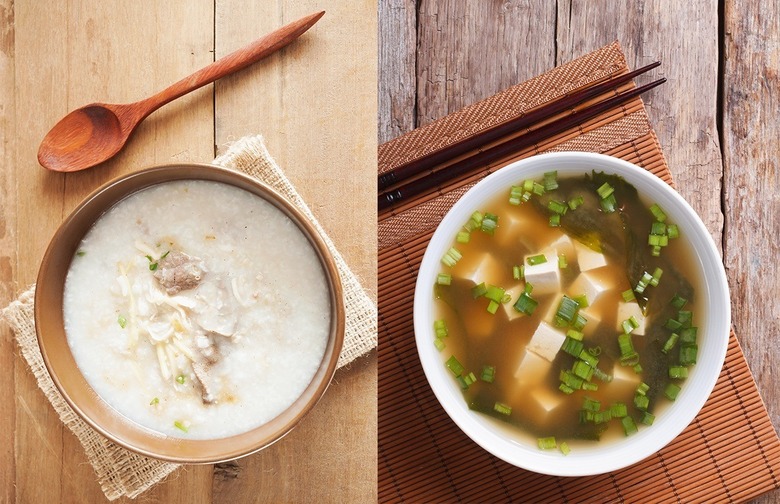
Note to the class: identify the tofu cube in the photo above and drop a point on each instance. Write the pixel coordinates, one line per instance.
(532, 369)
(546, 400)
(624, 380)
(545, 277)
(626, 311)
(546, 341)
(563, 245)
(593, 321)
(588, 259)
(590, 285)
(483, 268)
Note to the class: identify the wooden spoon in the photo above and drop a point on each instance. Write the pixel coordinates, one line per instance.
(96, 132)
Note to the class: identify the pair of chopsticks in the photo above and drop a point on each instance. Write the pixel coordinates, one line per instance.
(389, 196)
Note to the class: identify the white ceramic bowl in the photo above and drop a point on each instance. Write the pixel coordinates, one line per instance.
(712, 341)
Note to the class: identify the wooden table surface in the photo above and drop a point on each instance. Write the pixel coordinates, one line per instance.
(315, 103)
(716, 117)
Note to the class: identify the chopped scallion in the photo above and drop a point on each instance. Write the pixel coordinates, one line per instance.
(494, 293)
(526, 304)
(555, 220)
(562, 264)
(440, 327)
(591, 405)
(439, 344)
(558, 207)
(618, 410)
(670, 342)
(502, 408)
(647, 418)
(489, 223)
(641, 401)
(488, 374)
(463, 237)
(451, 257)
(516, 272)
(575, 203)
(155, 401)
(180, 379)
(444, 279)
(678, 372)
(678, 302)
(478, 290)
(550, 180)
(688, 354)
(629, 426)
(536, 259)
(182, 426)
(454, 366)
(567, 309)
(671, 391)
(658, 213)
(122, 321)
(672, 231)
(492, 307)
(564, 448)
(547, 443)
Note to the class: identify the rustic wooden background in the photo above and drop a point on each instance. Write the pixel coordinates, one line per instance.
(315, 103)
(716, 117)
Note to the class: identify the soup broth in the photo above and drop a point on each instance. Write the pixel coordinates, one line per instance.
(542, 371)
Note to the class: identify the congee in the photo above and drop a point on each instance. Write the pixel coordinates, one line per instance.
(197, 309)
(566, 310)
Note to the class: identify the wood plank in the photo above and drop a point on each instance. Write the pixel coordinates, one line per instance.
(315, 105)
(397, 63)
(468, 51)
(82, 60)
(751, 77)
(683, 111)
(8, 259)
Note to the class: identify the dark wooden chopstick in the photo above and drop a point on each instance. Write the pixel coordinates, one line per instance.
(484, 158)
(431, 160)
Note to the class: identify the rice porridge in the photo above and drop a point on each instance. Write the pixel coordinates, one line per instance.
(197, 309)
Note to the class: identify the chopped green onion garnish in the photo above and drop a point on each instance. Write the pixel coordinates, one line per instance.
(641, 401)
(537, 259)
(638, 368)
(516, 272)
(572, 347)
(81, 253)
(492, 307)
(507, 298)
(565, 389)
(155, 401)
(643, 388)
(582, 300)
(688, 335)
(441, 328)
(462, 382)
(601, 375)
(489, 223)
(671, 391)
(478, 290)
(574, 334)
(529, 288)
(678, 302)
(670, 342)
(516, 195)
(685, 318)
(439, 344)
(583, 370)
(547, 443)
(590, 386)
(659, 214)
(618, 410)
(181, 426)
(672, 325)
(629, 426)
(595, 351)
(574, 203)
(647, 418)
(538, 189)
(678, 372)
(122, 321)
(558, 207)
(567, 309)
(562, 264)
(488, 374)
(672, 231)
(588, 358)
(688, 354)
(608, 204)
(444, 279)
(605, 190)
(658, 228)
(526, 304)
(494, 293)
(550, 180)
(580, 322)
(454, 366)
(656, 277)
(502, 408)
(463, 237)
(564, 448)
(628, 328)
(555, 220)
(571, 380)
(180, 379)
(591, 405)
(469, 378)
(451, 257)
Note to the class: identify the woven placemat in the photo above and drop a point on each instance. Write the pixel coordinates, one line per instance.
(123, 473)
(730, 452)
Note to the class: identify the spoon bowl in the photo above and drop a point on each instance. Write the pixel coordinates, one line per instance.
(95, 133)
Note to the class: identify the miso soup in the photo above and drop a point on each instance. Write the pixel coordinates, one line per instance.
(566, 309)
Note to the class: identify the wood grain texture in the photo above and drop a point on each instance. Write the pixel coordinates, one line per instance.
(751, 186)
(467, 52)
(121, 52)
(397, 60)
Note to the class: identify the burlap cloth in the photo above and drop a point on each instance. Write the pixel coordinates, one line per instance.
(121, 472)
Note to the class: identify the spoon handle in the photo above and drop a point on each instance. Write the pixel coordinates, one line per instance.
(233, 62)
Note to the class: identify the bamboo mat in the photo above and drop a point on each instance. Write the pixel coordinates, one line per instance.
(730, 452)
